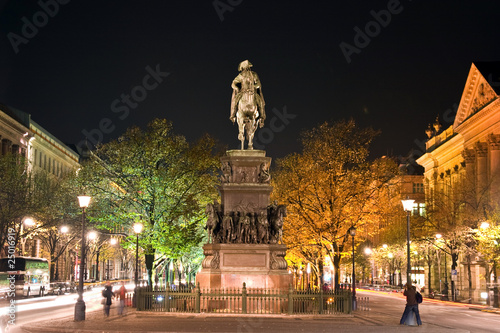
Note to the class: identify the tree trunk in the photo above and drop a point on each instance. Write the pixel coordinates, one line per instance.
(149, 259)
(336, 269)
(495, 287)
(454, 263)
(469, 273)
(96, 277)
(429, 265)
(320, 270)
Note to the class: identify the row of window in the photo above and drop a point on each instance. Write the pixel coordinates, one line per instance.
(51, 165)
(418, 188)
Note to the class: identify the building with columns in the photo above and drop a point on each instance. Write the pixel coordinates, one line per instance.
(462, 166)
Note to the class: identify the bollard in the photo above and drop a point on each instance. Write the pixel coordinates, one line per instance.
(244, 298)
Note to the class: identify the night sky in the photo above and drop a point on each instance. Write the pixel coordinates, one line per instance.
(392, 65)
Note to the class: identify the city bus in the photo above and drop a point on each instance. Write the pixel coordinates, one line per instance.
(32, 276)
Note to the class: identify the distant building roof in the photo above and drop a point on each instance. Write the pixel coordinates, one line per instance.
(25, 119)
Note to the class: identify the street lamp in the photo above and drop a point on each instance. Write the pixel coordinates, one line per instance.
(84, 201)
(137, 230)
(352, 232)
(408, 206)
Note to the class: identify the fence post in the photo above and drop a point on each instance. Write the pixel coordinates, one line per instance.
(244, 298)
(321, 301)
(138, 299)
(348, 297)
(167, 299)
(197, 298)
(290, 299)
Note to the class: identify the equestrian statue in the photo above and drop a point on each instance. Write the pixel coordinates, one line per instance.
(247, 103)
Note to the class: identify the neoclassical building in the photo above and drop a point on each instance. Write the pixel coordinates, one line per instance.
(19, 134)
(464, 159)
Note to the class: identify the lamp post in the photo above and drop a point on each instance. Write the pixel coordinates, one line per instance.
(80, 304)
(352, 232)
(408, 206)
(137, 230)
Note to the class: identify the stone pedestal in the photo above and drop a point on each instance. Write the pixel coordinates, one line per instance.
(258, 265)
(245, 181)
(245, 230)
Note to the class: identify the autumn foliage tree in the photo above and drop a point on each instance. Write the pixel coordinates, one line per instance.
(329, 187)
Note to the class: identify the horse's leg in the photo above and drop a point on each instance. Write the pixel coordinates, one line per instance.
(241, 128)
(250, 140)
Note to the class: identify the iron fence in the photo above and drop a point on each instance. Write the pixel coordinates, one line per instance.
(247, 301)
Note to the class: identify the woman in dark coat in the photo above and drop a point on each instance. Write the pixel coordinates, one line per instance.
(108, 294)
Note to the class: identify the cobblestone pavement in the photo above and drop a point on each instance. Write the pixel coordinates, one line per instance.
(165, 322)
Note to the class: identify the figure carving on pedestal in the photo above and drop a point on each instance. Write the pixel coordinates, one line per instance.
(227, 229)
(247, 103)
(253, 229)
(213, 221)
(263, 228)
(276, 214)
(244, 228)
(264, 176)
(226, 172)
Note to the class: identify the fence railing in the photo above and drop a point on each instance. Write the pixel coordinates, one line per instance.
(247, 301)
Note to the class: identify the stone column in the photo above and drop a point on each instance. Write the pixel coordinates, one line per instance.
(482, 168)
(494, 142)
(469, 182)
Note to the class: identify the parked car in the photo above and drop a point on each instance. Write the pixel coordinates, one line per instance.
(56, 288)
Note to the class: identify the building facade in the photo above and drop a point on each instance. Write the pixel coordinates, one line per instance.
(462, 169)
(15, 136)
(21, 135)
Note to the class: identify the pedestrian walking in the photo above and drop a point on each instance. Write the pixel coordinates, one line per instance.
(411, 305)
(107, 294)
(122, 292)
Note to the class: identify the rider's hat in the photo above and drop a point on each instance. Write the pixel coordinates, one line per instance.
(244, 65)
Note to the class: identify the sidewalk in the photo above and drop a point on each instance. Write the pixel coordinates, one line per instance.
(153, 322)
(141, 322)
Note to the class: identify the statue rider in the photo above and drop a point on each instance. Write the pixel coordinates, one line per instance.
(247, 96)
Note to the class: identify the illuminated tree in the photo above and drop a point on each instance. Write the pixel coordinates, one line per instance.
(329, 187)
(156, 178)
(57, 207)
(488, 243)
(36, 195)
(16, 196)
